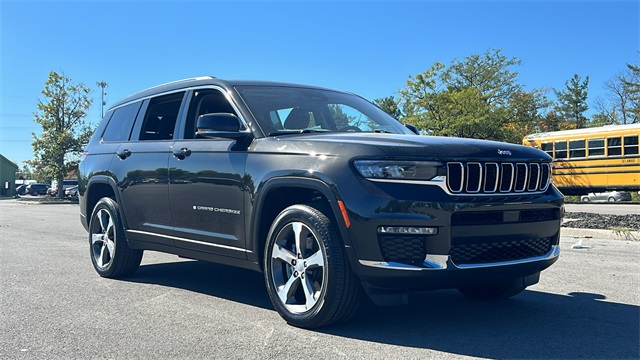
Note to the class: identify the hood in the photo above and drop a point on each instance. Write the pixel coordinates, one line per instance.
(416, 147)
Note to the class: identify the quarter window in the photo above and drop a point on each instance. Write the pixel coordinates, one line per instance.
(561, 149)
(614, 146)
(119, 127)
(631, 145)
(576, 148)
(596, 147)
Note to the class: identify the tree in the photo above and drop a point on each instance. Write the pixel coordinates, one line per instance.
(632, 87)
(572, 101)
(64, 131)
(478, 97)
(390, 105)
(621, 103)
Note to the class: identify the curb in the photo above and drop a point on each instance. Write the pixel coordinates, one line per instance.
(600, 234)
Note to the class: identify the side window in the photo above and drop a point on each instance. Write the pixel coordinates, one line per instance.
(576, 149)
(561, 149)
(631, 145)
(207, 101)
(614, 146)
(160, 119)
(119, 127)
(547, 147)
(596, 147)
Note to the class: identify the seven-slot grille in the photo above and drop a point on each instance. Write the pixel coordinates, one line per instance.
(497, 178)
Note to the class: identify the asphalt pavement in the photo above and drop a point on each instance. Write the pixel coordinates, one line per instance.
(54, 306)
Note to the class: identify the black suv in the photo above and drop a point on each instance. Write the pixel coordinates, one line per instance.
(320, 190)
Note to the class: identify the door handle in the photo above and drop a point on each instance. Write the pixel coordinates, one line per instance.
(123, 154)
(181, 153)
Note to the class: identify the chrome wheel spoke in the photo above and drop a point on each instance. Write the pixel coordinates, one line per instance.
(309, 293)
(297, 230)
(314, 261)
(282, 254)
(288, 289)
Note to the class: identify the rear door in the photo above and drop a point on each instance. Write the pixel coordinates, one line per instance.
(141, 167)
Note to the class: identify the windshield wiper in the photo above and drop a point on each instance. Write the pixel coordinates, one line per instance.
(293, 132)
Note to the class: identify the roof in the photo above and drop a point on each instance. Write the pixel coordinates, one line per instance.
(202, 81)
(585, 131)
(6, 160)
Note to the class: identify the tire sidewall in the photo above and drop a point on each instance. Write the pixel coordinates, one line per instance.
(112, 207)
(303, 214)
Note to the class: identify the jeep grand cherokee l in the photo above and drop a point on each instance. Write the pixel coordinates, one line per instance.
(323, 192)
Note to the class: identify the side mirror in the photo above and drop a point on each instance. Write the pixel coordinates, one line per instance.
(224, 125)
(413, 128)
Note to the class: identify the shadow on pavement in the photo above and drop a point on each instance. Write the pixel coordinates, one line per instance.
(531, 325)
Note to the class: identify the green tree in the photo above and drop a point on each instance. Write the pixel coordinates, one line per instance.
(478, 97)
(572, 101)
(64, 131)
(390, 105)
(632, 87)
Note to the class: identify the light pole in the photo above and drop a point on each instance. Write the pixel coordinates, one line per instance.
(102, 85)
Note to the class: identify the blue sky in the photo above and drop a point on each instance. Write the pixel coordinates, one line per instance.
(366, 47)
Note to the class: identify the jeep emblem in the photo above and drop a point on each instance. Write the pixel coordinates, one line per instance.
(504, 152)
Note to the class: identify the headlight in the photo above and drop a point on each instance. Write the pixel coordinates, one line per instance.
(407, 170)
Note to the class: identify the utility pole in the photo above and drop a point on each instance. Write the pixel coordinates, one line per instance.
(103, 85)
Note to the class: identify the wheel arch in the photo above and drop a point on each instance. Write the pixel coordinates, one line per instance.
(100, 186)
(278, 194)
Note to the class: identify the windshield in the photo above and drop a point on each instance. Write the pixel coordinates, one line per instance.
(294, 110)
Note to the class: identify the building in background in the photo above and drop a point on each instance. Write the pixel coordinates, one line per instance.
(7, 176)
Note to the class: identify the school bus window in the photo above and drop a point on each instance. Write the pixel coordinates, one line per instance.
(561, 150)
(614, 146)
(631, 145)
(596, 147)
(547, 147)
(576, 148)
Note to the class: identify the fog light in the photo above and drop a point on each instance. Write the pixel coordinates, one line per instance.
(407, 230)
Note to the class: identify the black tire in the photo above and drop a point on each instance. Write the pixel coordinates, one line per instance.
(584, 199)
(108, 248)
(313, 286)
(611, 199)
(491, 292)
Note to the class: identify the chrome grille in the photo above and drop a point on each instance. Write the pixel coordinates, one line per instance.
(504, 178)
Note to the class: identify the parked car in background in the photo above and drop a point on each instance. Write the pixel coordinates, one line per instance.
(21, 190)
(71, 192)
(609, 196)
(67, 183)
(37, 189)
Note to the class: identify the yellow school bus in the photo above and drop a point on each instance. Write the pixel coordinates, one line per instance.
(592, 159)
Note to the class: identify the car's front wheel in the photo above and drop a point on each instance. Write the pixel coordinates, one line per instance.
(110, 253)
(307, 274)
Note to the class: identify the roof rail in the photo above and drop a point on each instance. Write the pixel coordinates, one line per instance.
(180, 81)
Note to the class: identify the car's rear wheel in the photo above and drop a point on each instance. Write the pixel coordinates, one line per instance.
(307, 274)
(584, 199)
(611, 199)
(110, 253)
(491, 292)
